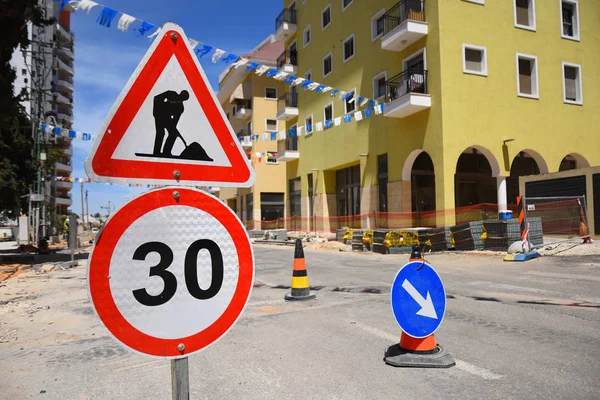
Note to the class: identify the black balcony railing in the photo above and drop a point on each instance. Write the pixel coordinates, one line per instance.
(287, 15)
(413, 80)
(289, 57)
(287, 100)
(405, 10)
(288, 144)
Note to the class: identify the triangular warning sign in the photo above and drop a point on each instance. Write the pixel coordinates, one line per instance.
(167, 126)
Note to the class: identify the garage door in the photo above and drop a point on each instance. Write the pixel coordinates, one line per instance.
(574, 186)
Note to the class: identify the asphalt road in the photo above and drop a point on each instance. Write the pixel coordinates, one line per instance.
(516, 330)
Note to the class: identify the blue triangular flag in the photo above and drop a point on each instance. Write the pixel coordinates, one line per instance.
(328, 124)
(271, 72)
(291, 132)
(336, 91)
(308, 127)
(106, 17)
(252, 66)
(359, 100)
(72, 134)
(202, 51)
(230, 57)
(348, 96)
(44, 127)
(290, 79)
(371, 104)
(86, 136)
(306, 83)
(347, 118)
(56, 131)
(273, 135)
(320, 88)
(146, 26)
(368, 113)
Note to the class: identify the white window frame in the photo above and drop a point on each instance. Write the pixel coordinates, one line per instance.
(345, 103)
(330, 17)
(481, 2)
(267, 125)
(578, 21)
(374, 18)
(304, 42)
(537, 76)
(382, 74)
(332, 112)
(483, 49)
(349, 4)
(276, 93)
(312, 123)
(308, 71)
(526, 27)
(413, 55)
(578, 102)
(344, 49)
(330, 54)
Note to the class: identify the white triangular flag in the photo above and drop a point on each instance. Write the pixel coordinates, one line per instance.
(281, 135)
(217, 55)
(313, 86)
(240, 63)
(156, 32)
(341, 95)
(262, 69)
(84, 5)
(280, 75)
(265, 137)
(337, 121)
(300, 129)
(297, 81)
(124, 22)
(364, 102)
(319, 126)
(358, 115)
(193, 43)
(326, 89)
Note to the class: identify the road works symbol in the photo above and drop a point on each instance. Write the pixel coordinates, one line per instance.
(418, 299)
(171, 272)
(168, 126)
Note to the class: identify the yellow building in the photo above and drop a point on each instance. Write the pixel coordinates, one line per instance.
(476, 92)
(250, 103)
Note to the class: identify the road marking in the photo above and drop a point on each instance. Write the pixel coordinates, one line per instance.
(564, 276)
(513, 287)
(462, 365)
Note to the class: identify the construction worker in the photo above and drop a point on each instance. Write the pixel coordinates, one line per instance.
(66, 225)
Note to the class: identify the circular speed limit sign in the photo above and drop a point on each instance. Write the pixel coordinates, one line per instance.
(171, 272)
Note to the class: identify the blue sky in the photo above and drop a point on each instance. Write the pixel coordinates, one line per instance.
(106, 57)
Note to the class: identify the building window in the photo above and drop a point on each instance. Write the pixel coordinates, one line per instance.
(346, 3)
(327, 65)
(379, 85)
(326, 16)
(349, 48)
(308, 121)
(382, 177)
(249, 206)
(271, 93)
(306, 36)
(569, 15)
(295, 197)
(23, 71)
(272, 157)
(525, 14)
(350, 104)
(474, 60)
(572, 90)
(233, 110)
(249, 127)
(311, 199)
(527, 82)
(308, 75)
(271, 125)
(347, 187)
(328, 112)
(377, 24)
(271, 206)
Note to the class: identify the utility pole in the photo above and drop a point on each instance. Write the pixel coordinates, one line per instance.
(108, 209)
(82, 210)
(87, 209)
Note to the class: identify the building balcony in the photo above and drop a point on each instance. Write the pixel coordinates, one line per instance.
(287, 149)
(62, 118)
(285, 24)
(68, 152)
(64, 85)
(242, 108)
(62, 66)
(63, 185)
(66, 52)
(404, 24)
(406, 93)
(288, 61)
(245, 141)
(63, 167)
(287, 107)
(63, 33)
(61, 98)
(63, 201)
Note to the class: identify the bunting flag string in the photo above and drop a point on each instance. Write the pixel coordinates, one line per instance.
(88, 180)
(107, 15)
(55, 131)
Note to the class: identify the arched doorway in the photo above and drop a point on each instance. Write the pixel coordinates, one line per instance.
(475, 178)
(527, 162)
(573, 161)
(422, 183)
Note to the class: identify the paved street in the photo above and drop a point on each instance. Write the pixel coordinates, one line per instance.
(517, 331)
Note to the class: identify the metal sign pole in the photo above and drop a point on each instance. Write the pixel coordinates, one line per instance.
(180, 379)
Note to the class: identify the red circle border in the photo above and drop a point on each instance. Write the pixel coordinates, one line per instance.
(99, 271)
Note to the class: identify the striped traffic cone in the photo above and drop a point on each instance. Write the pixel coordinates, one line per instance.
(300, 288)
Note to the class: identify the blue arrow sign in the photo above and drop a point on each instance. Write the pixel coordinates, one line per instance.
(418, 299)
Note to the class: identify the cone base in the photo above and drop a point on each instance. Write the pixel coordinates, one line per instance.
(289, 297)
(399, 357)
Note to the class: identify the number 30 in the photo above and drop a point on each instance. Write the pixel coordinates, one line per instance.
(190, 269)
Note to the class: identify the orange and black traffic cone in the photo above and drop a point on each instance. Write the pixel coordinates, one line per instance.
(300, 288)
(414, 352)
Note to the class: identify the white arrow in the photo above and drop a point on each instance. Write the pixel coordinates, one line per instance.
(427, 309)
